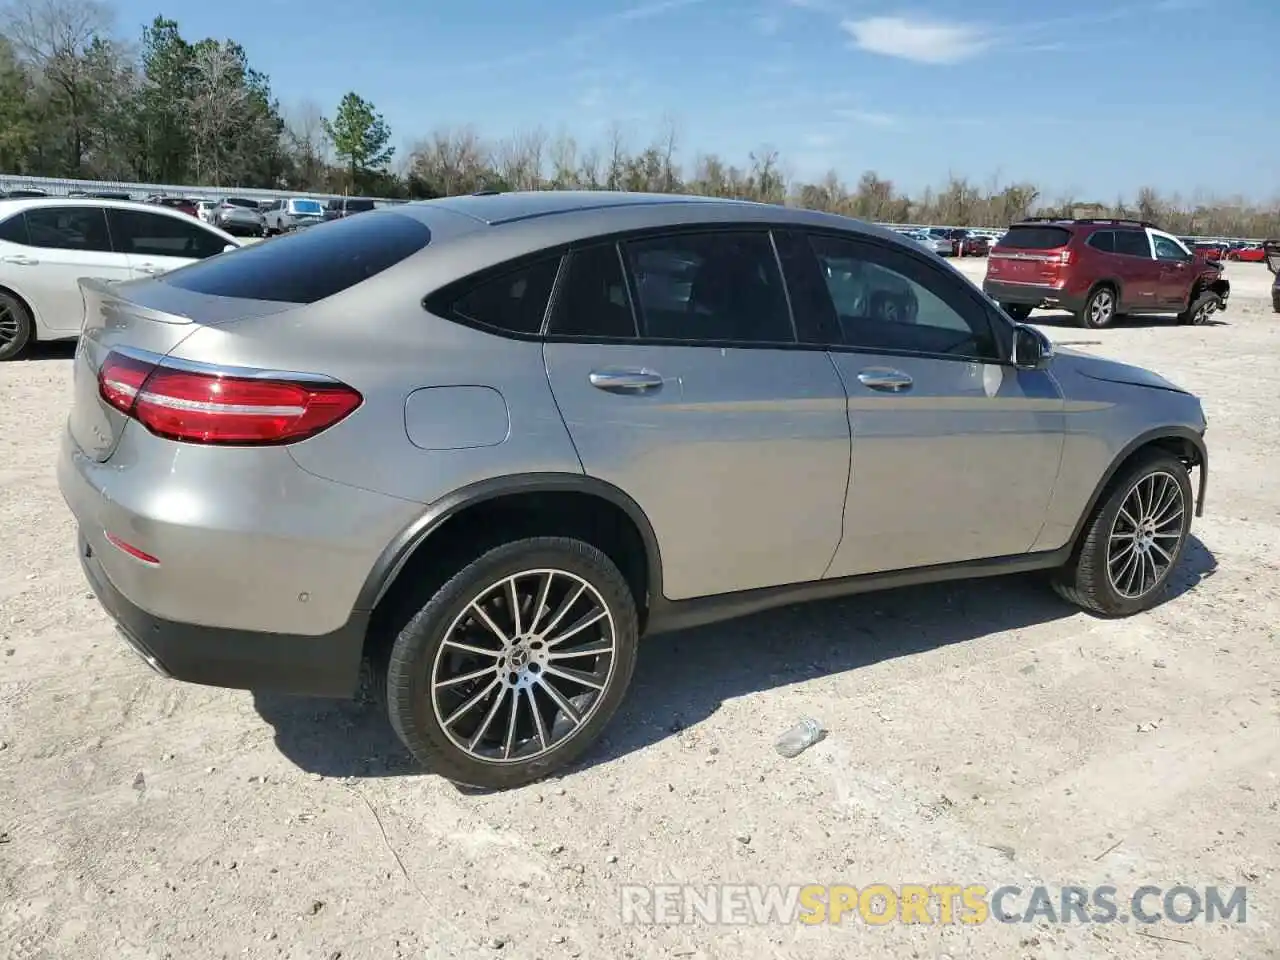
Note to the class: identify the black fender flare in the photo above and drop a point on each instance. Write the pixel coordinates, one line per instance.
(397, 553)
(1144, 439)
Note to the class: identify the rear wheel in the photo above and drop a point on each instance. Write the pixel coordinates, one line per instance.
(1201, 309)
(515, 666)
(1019, 312)
(1133, 541)
(16, 326)
(1099, 310)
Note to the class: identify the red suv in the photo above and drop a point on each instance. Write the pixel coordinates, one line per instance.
(1102, 269)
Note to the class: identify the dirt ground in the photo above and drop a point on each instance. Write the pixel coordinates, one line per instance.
(980, 732)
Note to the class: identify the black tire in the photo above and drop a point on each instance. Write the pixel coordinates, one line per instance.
(1099, 310)
(1018, 312)
(1085, 580)
(1275, 304)
(17, 329)
(1201, 310)
(417, 653)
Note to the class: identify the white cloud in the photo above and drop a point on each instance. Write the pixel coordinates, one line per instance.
(869, 117)
(922, 41)
(646, 11)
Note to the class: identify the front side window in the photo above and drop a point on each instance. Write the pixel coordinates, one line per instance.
(592, 299)
(709, 287)
(1167, 249)
(514, 301)
(69, 228)
(888, 301)
(155, 235)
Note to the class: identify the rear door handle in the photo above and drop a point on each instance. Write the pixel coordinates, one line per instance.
(625, 381)
(21, 261)
(888, 381)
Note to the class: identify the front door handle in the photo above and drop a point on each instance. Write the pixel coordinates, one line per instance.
(625, 381)
(149, 268)
(889, 381)
(21, 261)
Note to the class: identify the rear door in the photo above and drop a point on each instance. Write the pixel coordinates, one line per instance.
(64, 244)
(1137, 270)
(701, 407)
(955, 451)
(155, 243)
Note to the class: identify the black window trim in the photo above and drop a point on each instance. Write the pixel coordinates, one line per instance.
(1000, 328)
(439, 300)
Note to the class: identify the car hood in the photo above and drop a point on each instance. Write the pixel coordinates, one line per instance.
(1113, 371)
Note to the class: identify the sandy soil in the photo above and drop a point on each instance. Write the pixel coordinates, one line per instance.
(980, 733)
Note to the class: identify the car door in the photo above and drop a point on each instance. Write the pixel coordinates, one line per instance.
(955, 452)
(1137, 270)
(1176, 271)
(155, 243)
(701, 407)
(63, 245)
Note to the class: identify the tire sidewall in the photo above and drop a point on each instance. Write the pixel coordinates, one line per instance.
(26, 329)
(1086, 315)
(1105, 521)
(408, 690)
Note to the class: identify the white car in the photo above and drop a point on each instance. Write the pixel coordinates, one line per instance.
(205, 208)
(47, 245)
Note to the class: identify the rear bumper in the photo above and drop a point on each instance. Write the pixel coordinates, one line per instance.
(325, 666)
(1032, 295)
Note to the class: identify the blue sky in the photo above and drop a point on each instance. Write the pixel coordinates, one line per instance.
(1089, 98)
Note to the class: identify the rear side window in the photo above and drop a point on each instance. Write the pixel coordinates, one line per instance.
(1104, 240)
(309, 265)
(14, 230)
(1036, 238)
(710, 287)
(69, 228)
(592, 300)
(1133, 243)
(512, 302)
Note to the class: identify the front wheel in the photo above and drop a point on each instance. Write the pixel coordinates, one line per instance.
(1201, 310)
(1133, 541)
(512, 670)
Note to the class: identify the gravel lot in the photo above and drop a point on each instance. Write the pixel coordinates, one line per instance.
(981, 732)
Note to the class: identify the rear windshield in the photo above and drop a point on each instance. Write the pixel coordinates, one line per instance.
(309, 265)
(307, 206)
(359, 206)
(1036, 238)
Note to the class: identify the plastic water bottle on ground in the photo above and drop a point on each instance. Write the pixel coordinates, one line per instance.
(800, 738)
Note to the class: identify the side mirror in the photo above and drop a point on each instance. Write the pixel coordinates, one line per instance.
(1032, 350)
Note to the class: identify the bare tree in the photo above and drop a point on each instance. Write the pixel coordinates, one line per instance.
(306, 137)
(217, 107)
(451, 161)
(62, 39)
(519, 159)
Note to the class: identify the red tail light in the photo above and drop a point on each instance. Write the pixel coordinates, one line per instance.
(1065, 257)
(198, 406)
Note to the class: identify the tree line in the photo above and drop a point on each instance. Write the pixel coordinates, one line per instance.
(79, 101)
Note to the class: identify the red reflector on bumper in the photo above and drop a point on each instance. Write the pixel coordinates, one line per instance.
(131, 550)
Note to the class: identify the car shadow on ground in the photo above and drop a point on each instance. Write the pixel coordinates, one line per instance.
(683, 678)
(1064, 319)
(48, 350)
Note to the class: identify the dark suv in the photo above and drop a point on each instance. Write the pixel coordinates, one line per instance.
(1102, 269)
(340, 207)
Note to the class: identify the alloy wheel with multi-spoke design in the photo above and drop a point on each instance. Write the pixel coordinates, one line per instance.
(1146, 535)
(524, 666)
(1102, 307)
(10, 325)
